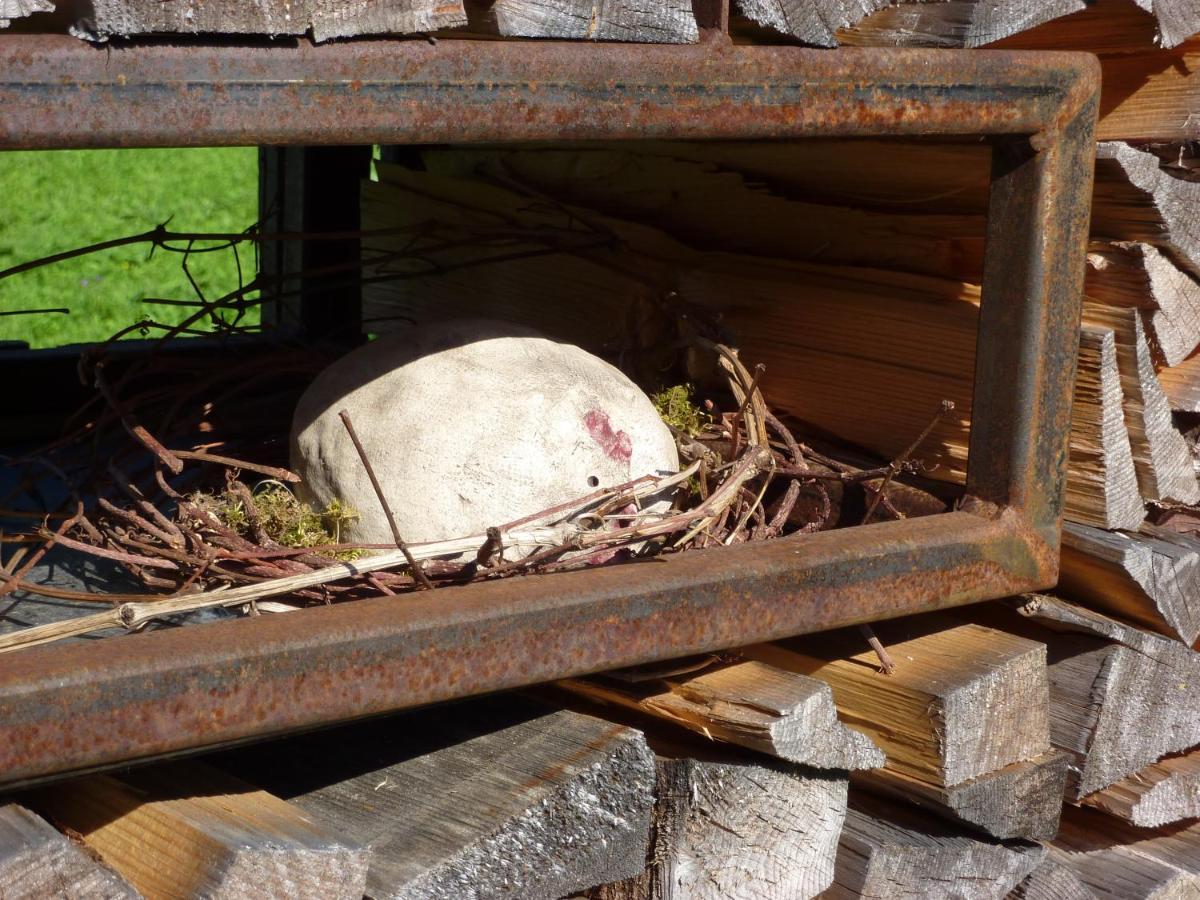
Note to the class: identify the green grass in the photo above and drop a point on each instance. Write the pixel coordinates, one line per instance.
(57, 200)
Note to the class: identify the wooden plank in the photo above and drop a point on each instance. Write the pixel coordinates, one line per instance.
(326, 18)
(1164, 792)
(888, 850)
(731, 825)
(1022, 800)
(1161, 456)
(964, 700)
(1151, 577)
(963, 24)
(749, 704)
(708, 208)
(17, 9)
(37, 862)
(1051, 880)
(184, 830)
(1117, 860)
(1140, 276)
(494, 797)
(1120, 698)
(665, 21)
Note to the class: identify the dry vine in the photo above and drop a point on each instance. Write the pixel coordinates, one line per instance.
(165, 432)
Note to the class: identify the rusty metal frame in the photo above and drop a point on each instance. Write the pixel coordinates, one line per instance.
(73, 708)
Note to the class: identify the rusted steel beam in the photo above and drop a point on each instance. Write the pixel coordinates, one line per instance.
(83, 706)
(56, 91)
(73, 708)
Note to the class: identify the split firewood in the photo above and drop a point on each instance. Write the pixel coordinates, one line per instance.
(1138, 198)
(1120, 698)
(1160, 454)
(1151, 576)
(780, 713)
(1119, 861)
(187, 830)
(890, 850)
(37, 862)
(1164, 792)
(479, 799)
(668, 22)
(1051, 880)
(1138, 275)
(1021, 800)
(731, 825)
(970, 24)
(326, 18)
(1181, 384)
(16, 9)
(963, 701)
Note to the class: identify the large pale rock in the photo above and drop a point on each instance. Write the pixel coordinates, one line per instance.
(471, 424)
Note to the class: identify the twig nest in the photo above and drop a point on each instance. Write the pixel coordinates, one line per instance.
(471, 424)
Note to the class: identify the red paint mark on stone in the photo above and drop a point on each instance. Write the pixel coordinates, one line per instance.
(615, 444)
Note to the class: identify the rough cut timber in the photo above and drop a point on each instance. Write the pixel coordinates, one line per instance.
(661, 21)
(964, 700)
(890, 851)
(780, 713)
(1164, 792)
(37, 862)
(186, 830)
(1051, 880)
(1138, 275)
(1137, 197)
(737, 826)
(1086, 833)
(17, 9)
(326, 18)
(495, 797)
(1022, 800)
(967, 23)
(1151, 577)
(1161, 456)
(1120, 698)
(708, 208)
(1116, 873)
(1181, 384)
(1102, 486)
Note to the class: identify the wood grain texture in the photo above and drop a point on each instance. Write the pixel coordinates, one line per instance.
(1181, 384)
(954, 24)
(1120, 697)
(1164, 792)
(645, 21)
(1139, 275)
(888, 851)
(1161, 456)
(497, 797)
(1116, 860)
(1052, 880)
(325, 18)
(18, 9)
(37, 862)
(1151, 577)
(750, 704)
(1146, 200)
(737, 826)
(1022, 800)
(181, 830)
(964, 700)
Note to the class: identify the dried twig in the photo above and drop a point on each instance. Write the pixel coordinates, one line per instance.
(417, 571)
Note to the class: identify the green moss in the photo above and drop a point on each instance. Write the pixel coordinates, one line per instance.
(676, 407)
(284, 518)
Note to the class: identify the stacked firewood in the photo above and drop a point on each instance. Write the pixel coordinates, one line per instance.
(1044, 746)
